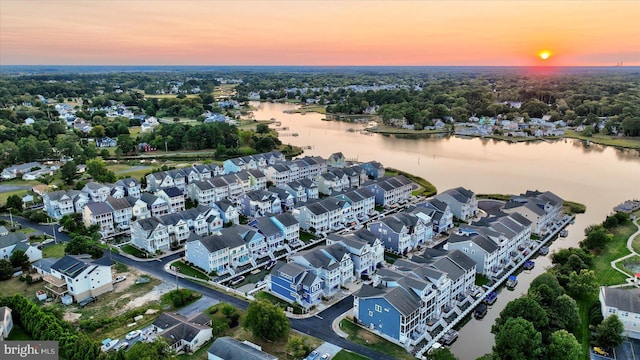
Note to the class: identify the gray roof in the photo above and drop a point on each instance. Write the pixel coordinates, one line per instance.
(128, 182)
(45, 264)
(446, 265)
(11, 239)
(118, 204)
(265, 226)
(93, 185)
(99, 208)
(173, 192)
(224, 204)
(228, 348)
(56, 195)
(203, 185)
(291, 269)
(167, 320)
(484, 243)
(622, 299)
(365, 235)
(286, 219)
(149, 224)
(148, 198)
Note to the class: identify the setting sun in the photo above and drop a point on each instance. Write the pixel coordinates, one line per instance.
(545, 55)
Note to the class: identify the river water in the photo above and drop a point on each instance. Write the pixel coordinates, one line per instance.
(599, 177)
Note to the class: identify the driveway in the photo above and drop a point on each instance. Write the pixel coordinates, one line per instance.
(199, 306)
(629, 350)
(328, 348)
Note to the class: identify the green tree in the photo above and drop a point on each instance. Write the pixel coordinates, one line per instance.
(127, 144)
(266, 320)
(517, 339)
(297, 347)
(14, 202)
(19, 259)
(524, 307)
(69, 172)
(6, 270)
(98, 170)
(262, 128)
(564, 346)
(156, 350)
(582, 285)
(97, 131)
(563, 314)
(609, 332)
(441, 354)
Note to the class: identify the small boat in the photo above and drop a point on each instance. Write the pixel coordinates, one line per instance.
(449, 337)
(512, 281)
(543, 250)
(491, 298)
(528, 265)
(564, 233)
(480, 311)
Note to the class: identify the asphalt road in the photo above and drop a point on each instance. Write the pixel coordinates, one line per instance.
(318, 326)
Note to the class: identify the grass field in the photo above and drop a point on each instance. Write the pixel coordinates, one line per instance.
(55, 250)
(189, 271)
(131, 250)
(617, 248)
(626, 142)
(5, 195)
(425, 189)
(18, 333)
(348, 355)
(366, 338)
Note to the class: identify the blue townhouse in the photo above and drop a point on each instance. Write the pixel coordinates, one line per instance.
(296, 284)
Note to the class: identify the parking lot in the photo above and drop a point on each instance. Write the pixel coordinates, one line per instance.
(629, 350)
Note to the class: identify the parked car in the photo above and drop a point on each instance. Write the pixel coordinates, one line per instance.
(261, 283)
(120, 278)
(133, 334)
(326, 356)
(121, 346)
(87, 301)
(270, 265)
(313, 356)
(236, 280)
(109, 344)
(600, 351)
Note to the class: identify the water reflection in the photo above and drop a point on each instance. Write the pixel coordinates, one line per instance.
(598, 176)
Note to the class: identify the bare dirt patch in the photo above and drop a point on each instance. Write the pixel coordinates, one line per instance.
(71, 316)
(154, 295)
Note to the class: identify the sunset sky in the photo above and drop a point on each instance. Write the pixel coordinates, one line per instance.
(265, 32)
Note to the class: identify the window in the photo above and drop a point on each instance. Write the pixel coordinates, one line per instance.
(370, 313)
(378, 308)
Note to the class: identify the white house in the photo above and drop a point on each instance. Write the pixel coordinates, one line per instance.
(79, 277)
(6, 322)
(625, 303)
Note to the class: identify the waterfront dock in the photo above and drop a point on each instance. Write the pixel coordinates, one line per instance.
(496, 284)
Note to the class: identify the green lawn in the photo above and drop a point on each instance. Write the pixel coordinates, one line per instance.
(55, 250)
(305, 236)
(617, 248)
(189, 271)
(131, 250)
(297, 309)
(366, 338)
(5, 195)
(627, 142)
(348, 355)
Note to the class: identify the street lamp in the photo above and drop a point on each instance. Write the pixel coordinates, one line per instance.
(10, 218)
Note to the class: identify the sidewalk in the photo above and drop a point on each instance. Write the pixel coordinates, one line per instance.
(352, 288)
(335, 325)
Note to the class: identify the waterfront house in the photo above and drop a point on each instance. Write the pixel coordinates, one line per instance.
(463, 202)
(362, 202)
(357, 176)
(543, 209)
(332, 263)
(481, 250)
(296, 284)
(201, 192)
(396, 306)
(330, 182)
(97, 192)
(318, 216)
(101, 214)
(440, 213)
(259, 202)
(297, 190)
(223, 253)
(139, 208)
(177, 228)
(130, 186)
(273, 236)
(337, 160)
(122, 213)
(174, 198)
(363, 255)
(183, 334)
(59, 203)
(156, 205)
(401, 232)
(313, 166)
(79, 277)
(625, 303)
(390, 190)
(227, 210)
(228, 348)
(288, 227)
(459, 267)
(287, 201)
(373, 169)
(150, 234)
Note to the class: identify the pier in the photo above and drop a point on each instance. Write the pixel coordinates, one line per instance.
(496, 284)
